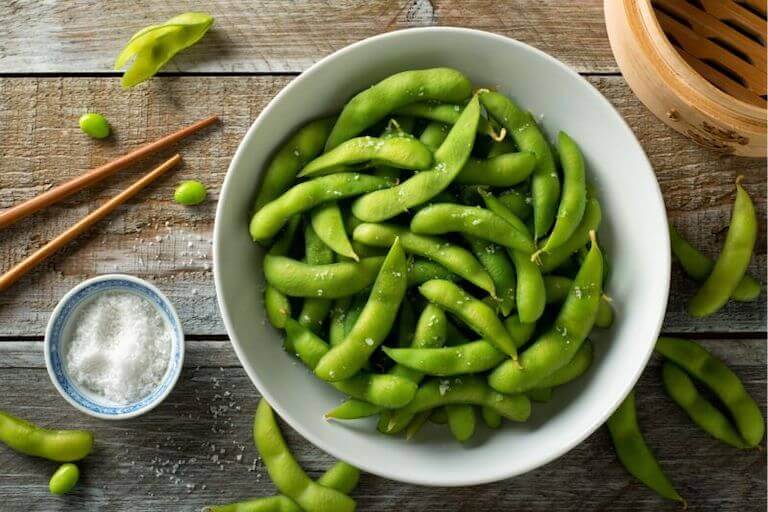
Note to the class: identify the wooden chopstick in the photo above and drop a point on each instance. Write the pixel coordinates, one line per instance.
(19, 211)
(31, 261)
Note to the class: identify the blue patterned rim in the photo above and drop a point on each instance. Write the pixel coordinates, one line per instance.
(56, 335)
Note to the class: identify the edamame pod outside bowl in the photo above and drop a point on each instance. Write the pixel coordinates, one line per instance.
(633, 233)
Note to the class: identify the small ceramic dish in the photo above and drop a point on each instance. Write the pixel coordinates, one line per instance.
(60, 329)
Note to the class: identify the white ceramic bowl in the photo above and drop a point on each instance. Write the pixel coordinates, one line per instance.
(60, 329)
(634, 233)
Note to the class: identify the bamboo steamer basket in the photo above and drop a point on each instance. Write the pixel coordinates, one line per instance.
(698, 65)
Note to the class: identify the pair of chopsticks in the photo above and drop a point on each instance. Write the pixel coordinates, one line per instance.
(59, 192)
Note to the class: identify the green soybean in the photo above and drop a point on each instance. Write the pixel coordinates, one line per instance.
(461, 421)
(64, 479)
(714, 374)
(374, 323)
(575, 368)
(698, 266)
(277, 306)
(453, 257)
(530, 294)
(443, 113)
(314, 310)
(56, 445)
(434, 135)
(267, 221)
(353, 409)
(277, 503)
(300, 148)
(517, 203)
(733, 261)
(499, 267)
(420, 271)
(500, 171)
(474, 357)
(375, 103)
(94, 125)
(399, 152)
(634, 454)
(297, 279)
(190, 193)
(549, 261)
(683, 391)
(490, 417)
(557, 288)
(328, 223)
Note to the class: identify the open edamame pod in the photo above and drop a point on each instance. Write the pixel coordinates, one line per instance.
(57, 445)
(634, 454)
(683, 392)
(300, 198)
(698, 266)
(558, 345)
(400, 152)
(375, 103)
(297, 279)
(375, 321)
(286, 473)
(453, 257)
(545, 184)
(733, 261)
(440, 218)
(450, 158)
(713, 373)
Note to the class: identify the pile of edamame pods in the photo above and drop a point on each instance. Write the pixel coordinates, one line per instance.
(449, 264)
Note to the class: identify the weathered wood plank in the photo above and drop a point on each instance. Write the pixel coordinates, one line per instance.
(279, 36)
(196, 449)
(155, 238)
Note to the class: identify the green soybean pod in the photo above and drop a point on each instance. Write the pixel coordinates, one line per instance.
(434, 135)
(286, 473)
(353, 409)
(277, 306)
(545, 184)
(57, 445)
(329, 225)
(713, 373)
(517, 203)
(336, 331)
(268, 220)
(530, 294)
(444, 113)
(474, 357)
(500, 171)
(502, 211)
(577, 366)
(341, 476)
(733, 261)
(315, 310)
(540, 395)
(634, 454)
(557, 288)
(683, 392)
(300, 148)
(374, 323)
(416, 423)
(480, 317)
(557, 346)
(499, 267)
(399, 152)
(461, 421)
(450, 158)
(64, 479)
(297, 279)
(453, 257)
(520, 332)
(501, 147)
(441, 218)
(277, 503)
(420, 271)
(573, 199)
(549, 261)
(375, 103)
(698, 266)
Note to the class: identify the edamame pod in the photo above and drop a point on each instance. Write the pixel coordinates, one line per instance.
(303, 146)
(267, 221)
(56, 445)
(501, 147)
(420, 271)
(634, 454)
(353, 409)
(375, 103)
(467, 389)
(733, 261)
(399, 152)
(453, 257)
(450, 158)
(698, 266)
(474, 357)
(557, 288)
(286, 473)
(341, 476)
(461, 421)
(443, 113)
(517, 203)
(558, 345)
(476, 314)
(530, 294)
(500, 171)
(573, 200)
(551, 260)
(277, 306)
(683, 392)
(441, 218)
(329, 225)
(491, 418)
(277, 503)
(416, 423)
(434, 135)
(348, 357)
(545, 184)
(714, 374)
(297, 279)
(580, 363)
(316, 252)
(388, 391)
(502, 211)
(499, 267)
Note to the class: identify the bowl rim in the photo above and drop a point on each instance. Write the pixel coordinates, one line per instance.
(308, 434)
(169, 379)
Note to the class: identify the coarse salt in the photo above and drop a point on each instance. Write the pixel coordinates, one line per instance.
(120, 347)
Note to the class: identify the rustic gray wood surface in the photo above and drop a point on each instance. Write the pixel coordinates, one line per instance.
(55, 62)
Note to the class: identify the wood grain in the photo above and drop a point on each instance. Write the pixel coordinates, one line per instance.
(196, 449)
(268, 36)
(170, 244)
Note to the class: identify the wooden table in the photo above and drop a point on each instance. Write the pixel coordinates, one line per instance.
(196, 449)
